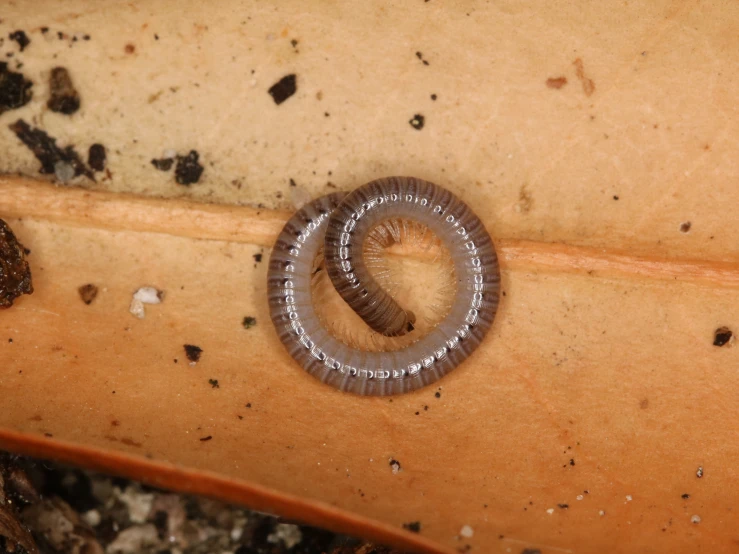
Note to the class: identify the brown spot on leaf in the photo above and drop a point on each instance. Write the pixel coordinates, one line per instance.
(556, 82)
(88, 293)
(588, 85)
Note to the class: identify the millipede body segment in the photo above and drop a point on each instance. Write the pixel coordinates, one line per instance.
(340, 223)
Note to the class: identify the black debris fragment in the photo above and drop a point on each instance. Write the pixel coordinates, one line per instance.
(417, 121)
(64, 98)
(188, 170)
(413, 526)
(21, 38)
(249, 322)
(722, 336)
(163, 164)
(193, 352)
(283, 89)
(15, 273)
(64, 163)
(96, 157)
(15, 89)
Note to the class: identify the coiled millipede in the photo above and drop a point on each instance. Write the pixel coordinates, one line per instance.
(340, 223)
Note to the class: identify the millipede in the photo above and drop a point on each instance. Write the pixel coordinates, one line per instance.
(339, 224)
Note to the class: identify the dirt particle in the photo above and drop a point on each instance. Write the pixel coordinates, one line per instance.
(685, 496)
(64, 98)
(525, 200)
(699, 472)
(556, 82)
(572, 461)
(15, 273)
(257, 258)
(419, 55)
(434, 97)
(248, 322)
(163, 164)
(394, 466)
(48, 153)
(588, 85)
(615, 196)
(88, 293)
(413, 526)
(214, 383)
(21, 38)
(15, 89)
(193, 353)
(283, 89)
(129, 48)
(530, 551)
(96, 157)
(695, 519)
(563, 506)
(685, 227)
(437, 394)
(723, 336)
(131, 442)
(417, 121)
(206, 439)
(188, 170)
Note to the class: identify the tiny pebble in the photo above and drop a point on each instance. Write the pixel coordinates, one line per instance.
(602, 513)
(550, 511)
(466, 532)
(580, 497)
(149, 295)
(628, 498)
(695, 519)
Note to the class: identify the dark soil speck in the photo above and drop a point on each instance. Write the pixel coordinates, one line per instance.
(413, 526)
(249, 322)
(417, 121)
(21, 38)
(163, 164)
(685, 496)
(722, 336)
(188, 170)
(283, 89)
(48, 153)
(96, 157)
(15, 273)
(193, 352)
(214, 383)
(15, 89)
(64, 98)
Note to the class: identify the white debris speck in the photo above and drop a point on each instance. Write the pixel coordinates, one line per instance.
(699, 472)
(92, 518)
(695, 519)
(138, 503)
(134, 539)
(466, 532)
(145, 295)
(63, 171)
(550, 511)
(137, 308)
(602, 513)
(149, 295)
(629, 498)
(287, 534)
(580, 497)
